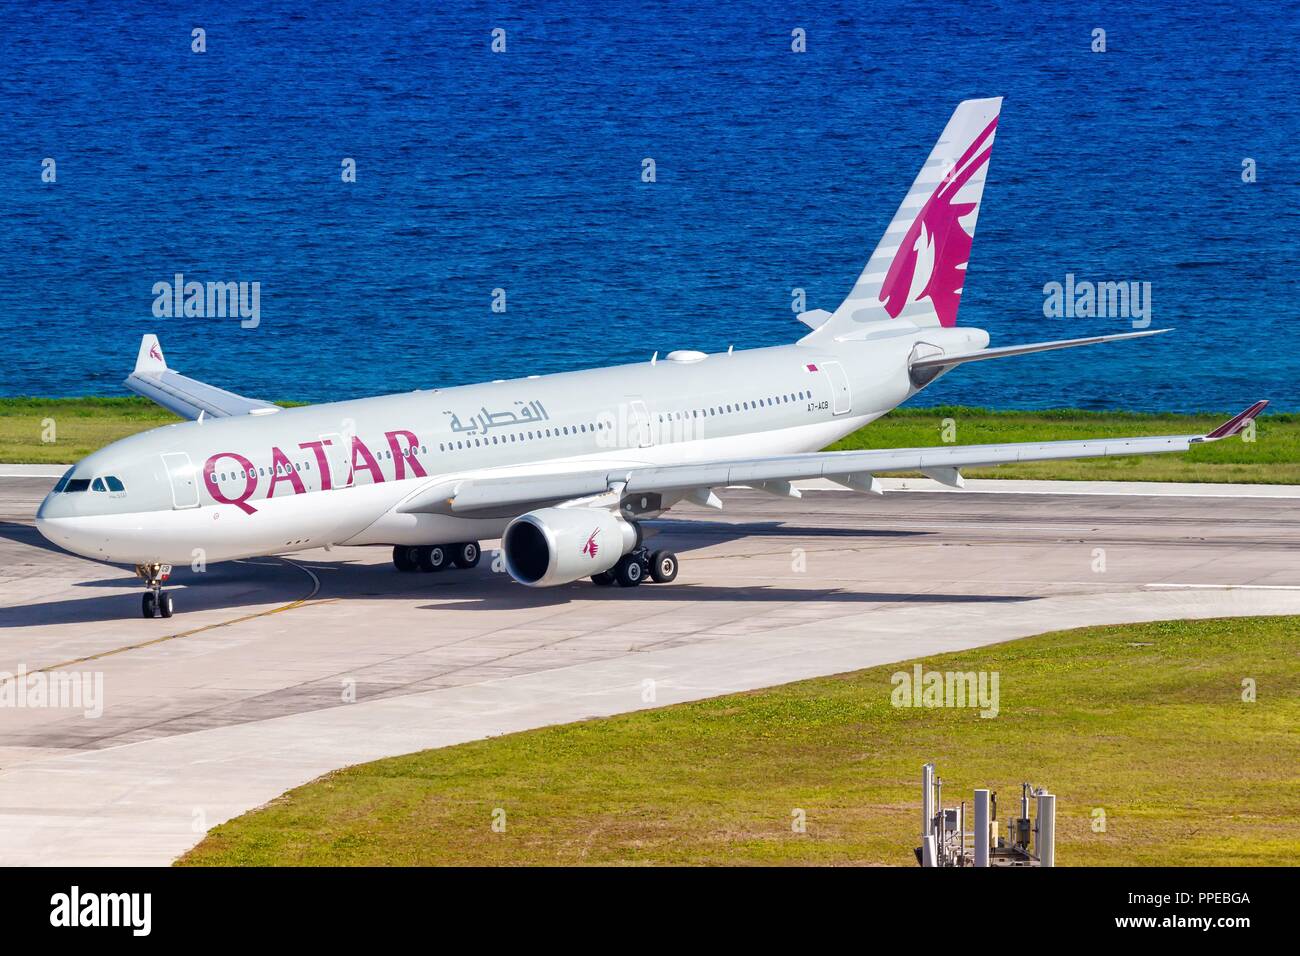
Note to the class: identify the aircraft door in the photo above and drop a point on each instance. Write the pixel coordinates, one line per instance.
(841, 394)
(184, 479)
(639, 430)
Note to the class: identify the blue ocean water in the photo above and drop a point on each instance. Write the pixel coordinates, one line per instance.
(522, 171)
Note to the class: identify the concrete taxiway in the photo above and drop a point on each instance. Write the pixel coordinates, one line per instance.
(277, 670)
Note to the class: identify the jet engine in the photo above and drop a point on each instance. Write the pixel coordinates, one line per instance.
(552, 546)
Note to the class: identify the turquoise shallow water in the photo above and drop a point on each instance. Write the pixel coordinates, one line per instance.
(522, 171)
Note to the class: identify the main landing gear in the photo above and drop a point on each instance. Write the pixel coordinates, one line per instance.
(638, 566)
(155, 602)
(436, 557)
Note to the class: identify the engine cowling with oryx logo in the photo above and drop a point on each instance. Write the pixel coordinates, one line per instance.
(553, 546)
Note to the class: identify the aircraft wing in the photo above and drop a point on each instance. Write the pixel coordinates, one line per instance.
(187, 397)
(853, 469)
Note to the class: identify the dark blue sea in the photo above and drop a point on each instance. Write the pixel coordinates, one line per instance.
(522, 171)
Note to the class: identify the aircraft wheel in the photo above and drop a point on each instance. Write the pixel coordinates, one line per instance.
(165, 603)
(604, 579)
(147, 603)
(432, 558)
(629, 571)
(663, 567)
(406, 557)
(466, 555)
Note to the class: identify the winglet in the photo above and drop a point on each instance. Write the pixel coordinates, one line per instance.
(1237, 422)
(150, 357)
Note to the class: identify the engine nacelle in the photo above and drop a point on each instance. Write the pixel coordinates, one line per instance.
(557, 545)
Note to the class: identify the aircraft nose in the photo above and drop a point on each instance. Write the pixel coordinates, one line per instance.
(47, 508)
(58, 523)
(56, 530)
(73, 534)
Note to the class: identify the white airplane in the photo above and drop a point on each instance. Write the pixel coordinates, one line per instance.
(564, 468)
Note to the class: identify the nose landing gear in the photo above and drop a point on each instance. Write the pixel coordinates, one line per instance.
(155, 602)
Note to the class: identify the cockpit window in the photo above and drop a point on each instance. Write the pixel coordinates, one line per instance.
(63, 481)
(102, 483)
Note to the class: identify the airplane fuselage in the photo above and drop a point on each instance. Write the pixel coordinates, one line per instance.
(336, 474)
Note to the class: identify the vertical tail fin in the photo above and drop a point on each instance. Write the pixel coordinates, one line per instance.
(919, 267)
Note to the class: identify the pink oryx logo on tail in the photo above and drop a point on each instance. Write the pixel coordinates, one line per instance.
(590, 548)
(154, 353)
(938, 230)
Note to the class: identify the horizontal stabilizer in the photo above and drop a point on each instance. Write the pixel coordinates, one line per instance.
(814, 318)
(945, 361)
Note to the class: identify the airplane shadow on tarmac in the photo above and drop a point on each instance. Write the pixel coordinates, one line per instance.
(257, 583)
(26, 534)
(494, 599)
